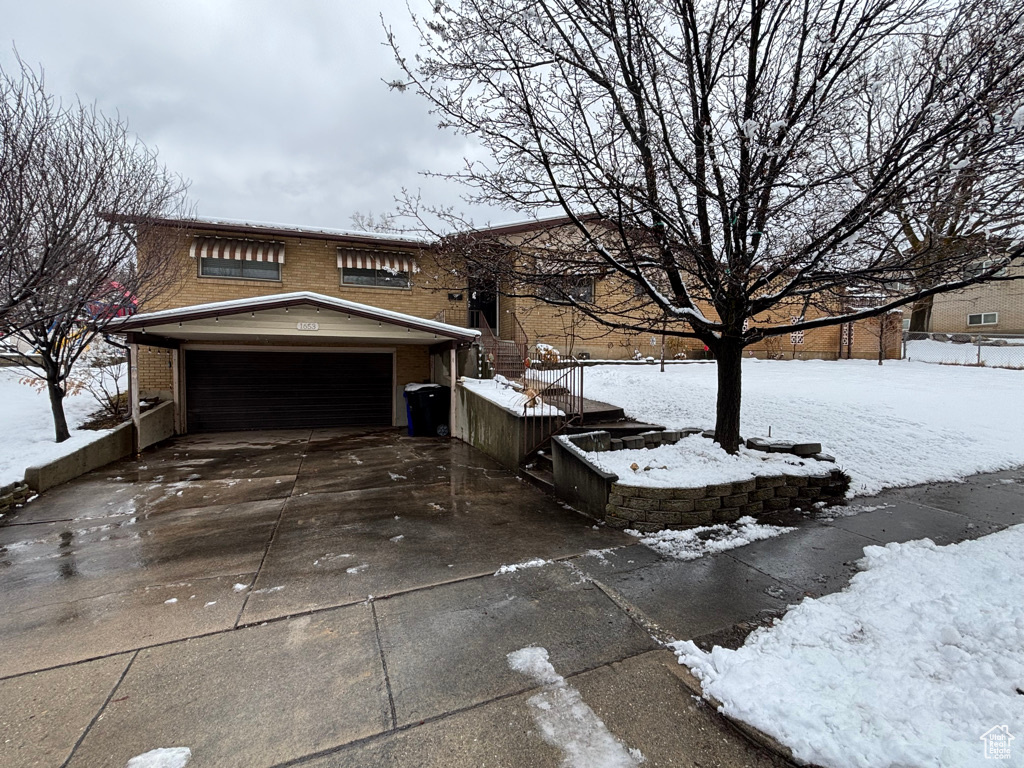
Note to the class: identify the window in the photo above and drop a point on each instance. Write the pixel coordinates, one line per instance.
(562, 288)
(980, 267)
(239, 268)
(376, 269)
(983, 318)
(796, 337)
(377, 278)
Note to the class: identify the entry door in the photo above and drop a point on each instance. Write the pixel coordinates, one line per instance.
(483, 302)
(229, 390)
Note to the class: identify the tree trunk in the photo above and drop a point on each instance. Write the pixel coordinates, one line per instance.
(729, 356)
(921, 315)
(60, 421)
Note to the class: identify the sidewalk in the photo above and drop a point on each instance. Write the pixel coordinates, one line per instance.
(704, 600)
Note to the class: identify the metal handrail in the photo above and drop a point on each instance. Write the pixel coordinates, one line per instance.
(556, 403)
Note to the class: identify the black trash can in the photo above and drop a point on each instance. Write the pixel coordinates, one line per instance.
(428, 408)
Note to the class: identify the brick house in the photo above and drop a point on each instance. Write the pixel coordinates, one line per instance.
(274, 326)
(996, 307)
(280, 327)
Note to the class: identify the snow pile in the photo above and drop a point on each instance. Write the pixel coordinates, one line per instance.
(897, 424)
(566, 722)
(695, 462)
(534, 563)
(166, 757)
(919, 657)
(694, 543)
(509, 396)
(27, 426)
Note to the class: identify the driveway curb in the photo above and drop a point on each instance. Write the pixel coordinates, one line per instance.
(751, 733)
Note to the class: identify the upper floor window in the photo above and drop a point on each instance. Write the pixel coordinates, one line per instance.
(248, 270)
(375, 269)
(379, 278)
(562, 288)
(978, 268)
(237, 258)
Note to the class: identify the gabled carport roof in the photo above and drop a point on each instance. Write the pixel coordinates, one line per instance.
(284, 300)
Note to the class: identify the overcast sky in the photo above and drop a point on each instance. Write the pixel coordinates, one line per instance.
(276, 111)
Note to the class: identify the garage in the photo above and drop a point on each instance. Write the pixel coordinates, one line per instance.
(286, 361)
(228, 390)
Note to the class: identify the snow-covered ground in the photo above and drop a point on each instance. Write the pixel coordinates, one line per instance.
(696, 461)
(912, 665)
(930, 351)
(27, 426)
(901, 423)
(509, 396)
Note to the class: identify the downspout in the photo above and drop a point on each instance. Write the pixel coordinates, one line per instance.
(453, 375)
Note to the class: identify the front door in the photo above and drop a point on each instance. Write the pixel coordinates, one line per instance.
(483, 303)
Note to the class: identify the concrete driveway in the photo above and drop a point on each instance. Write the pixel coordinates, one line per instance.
(323, 598)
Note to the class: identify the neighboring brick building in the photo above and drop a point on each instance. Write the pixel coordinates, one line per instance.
(996, 307)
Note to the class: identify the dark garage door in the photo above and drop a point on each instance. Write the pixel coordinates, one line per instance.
(280, 390)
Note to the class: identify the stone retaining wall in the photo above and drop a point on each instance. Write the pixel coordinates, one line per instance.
(14, 495)
(652, 509)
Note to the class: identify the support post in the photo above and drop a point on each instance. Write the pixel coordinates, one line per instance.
(453, 375)
(176, 391)
(133, 393)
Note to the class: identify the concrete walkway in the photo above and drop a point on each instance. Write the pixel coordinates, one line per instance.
(216, 595)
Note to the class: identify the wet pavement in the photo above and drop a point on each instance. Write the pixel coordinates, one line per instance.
(329, 598)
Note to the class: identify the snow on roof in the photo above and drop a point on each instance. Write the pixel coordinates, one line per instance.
(297, 297)
(238, 223)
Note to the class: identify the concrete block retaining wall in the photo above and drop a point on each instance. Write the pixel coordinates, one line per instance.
(155, 425)
(652, 509)
(13, 495)
(496, 430)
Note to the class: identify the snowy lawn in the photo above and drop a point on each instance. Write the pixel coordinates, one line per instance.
(27, 426)
(901, 423)
(911, 665)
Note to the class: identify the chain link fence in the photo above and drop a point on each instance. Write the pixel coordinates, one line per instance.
(992, 350)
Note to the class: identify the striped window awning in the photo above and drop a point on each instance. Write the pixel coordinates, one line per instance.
(239, 250)
(389, 262)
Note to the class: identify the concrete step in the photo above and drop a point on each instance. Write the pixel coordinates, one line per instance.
(595, 412)
(542, 461)
(541, 478)
(622, 428)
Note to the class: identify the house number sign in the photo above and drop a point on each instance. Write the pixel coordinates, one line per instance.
(308, 326)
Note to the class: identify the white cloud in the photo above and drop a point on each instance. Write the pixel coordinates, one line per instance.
(276, 112)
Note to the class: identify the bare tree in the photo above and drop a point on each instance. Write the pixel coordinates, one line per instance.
(81, 189)
(367, 222)
(736, 162)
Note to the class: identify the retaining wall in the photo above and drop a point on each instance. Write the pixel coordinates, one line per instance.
(155, 425)
(111, 447)
(646, 509)
(490, 428)
(651, 509)
(579, 482)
